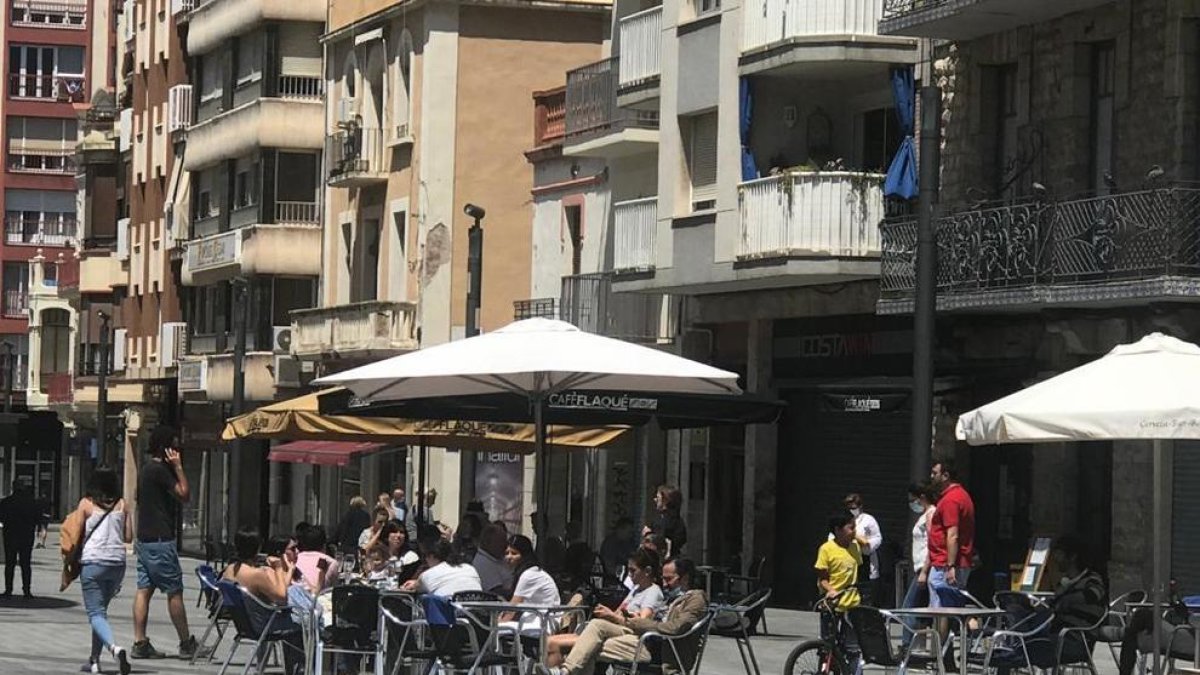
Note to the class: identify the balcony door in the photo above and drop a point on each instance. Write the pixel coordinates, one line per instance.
(364, 270)
(16, 289)
(55, 342)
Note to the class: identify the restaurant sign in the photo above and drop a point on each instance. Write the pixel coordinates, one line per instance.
(215, 251)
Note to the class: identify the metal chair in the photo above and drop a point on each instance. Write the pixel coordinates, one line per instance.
(460, 641)
(655, 645)
(872, 631)
(401, 633)
(738, 622)
(218, 613)
(353, 623)
(1112, 631)
(1027, 619)
(274, 629)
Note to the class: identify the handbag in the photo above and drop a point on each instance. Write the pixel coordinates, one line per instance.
(73, 558)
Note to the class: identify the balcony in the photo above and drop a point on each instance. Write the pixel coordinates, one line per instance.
(596, 125)
(214, 21)
(549, 117)
(182, 7)
(588, 301)
(289, 248)
(62, 88)
(49, 14)
(535, 308)
(969, 19)
(1128, 249)
(361, 329)
(20, 231)
(16, 303)
(828, 214)
(301, 86)
(636, 231)
(357, 157)
(34, 158)
(291, 123)
(641, 40)
(832, 38)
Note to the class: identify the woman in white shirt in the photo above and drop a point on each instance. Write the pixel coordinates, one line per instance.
(107, 530)
(644, 602)
(534, 586)
(446, 573)
(922, 500)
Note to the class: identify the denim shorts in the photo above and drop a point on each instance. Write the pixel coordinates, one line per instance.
(158, 566)
(944, 594)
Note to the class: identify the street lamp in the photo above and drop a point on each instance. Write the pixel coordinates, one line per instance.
(474, 267)
(8, 379)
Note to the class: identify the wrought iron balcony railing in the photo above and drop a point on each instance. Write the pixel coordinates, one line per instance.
(535, 308)
(592, 108)
(589, 302)
(1036, 247)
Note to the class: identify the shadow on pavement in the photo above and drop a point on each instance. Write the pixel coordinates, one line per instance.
(37, 602)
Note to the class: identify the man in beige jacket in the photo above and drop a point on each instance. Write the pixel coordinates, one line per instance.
(613, 636)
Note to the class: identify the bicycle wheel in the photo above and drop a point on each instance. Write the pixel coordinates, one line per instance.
(814, 657)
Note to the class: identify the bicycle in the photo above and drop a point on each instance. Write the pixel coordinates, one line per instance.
(830, 654)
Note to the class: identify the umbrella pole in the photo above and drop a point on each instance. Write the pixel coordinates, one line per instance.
(419, 517)
(1157, 575)
(539, 446)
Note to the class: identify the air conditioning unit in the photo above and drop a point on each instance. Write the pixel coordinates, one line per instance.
(119, 340)
(123, 239)
(281, 339)
(347, 110)
(172, 343)
(287, 372)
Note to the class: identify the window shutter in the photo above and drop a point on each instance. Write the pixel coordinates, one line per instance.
(703, 165)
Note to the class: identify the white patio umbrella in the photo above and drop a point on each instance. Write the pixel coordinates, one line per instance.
(1148, 390)
(534, 358)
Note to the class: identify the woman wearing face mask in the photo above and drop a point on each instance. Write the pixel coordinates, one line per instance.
(923, 502)
(866, 527)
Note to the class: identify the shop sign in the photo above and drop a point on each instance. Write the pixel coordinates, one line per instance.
(215, 251)
(193, 375)
(573, 400)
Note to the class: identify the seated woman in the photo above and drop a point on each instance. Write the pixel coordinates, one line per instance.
(269, 584)
(534, 586)
(401, 557)
(445, 573)
(643, 602)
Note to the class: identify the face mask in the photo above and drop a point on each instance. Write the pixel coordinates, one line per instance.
(916, 507)
(856, 512)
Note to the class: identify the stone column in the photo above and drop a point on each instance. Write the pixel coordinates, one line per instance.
(758, 487)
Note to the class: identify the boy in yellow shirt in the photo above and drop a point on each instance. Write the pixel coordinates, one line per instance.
(838, 561)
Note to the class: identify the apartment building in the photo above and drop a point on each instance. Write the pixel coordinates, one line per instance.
(47, 76)
(745, 145)
(428, 110)
(252, 240)
(1067, 226)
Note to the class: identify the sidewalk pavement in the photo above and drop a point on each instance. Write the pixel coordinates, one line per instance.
(49, 635)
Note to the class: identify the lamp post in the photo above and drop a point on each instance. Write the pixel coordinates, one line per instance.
(102, 393)
(466, 484)
(233, 512)
(924, 328)
(8, 375)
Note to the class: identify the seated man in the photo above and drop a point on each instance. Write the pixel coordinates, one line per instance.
(612, 636)
(1178, 640)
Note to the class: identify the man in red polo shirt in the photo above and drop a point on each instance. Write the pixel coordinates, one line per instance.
(951, 538)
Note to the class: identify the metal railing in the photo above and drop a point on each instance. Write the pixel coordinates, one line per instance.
(635, 226)
(182, 6)
(301, 86)
(589, 302)
(45, 160)
(592, 108)
(355, 151)
(1123, 237)
(534, 308)
(16, 302)
(49, 14)
(832, 213)
(549, 117)
(47, 87)
(47, 232)
(769, 21)
(895, 8)
(641, 41)
(297, 212)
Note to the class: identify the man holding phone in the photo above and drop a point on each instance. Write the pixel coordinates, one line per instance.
(162, 486)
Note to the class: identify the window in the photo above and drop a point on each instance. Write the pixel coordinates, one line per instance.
(364, 271)
(16, 288)
(20, 360)
(45, 72)
(210, 309)
(881, 139)
(574, 218)
(296, 178)
(210, 78)
(56, 341)
(1103, 100)
(403, 101)
(245, 183)
(700, 146)
(41, 144)
(205, 203)
(702, 7)
(248, 58)
(1005, 163)
(39, 217)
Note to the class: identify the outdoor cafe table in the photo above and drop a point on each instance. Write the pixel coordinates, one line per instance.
(959, 614)
(495, 609)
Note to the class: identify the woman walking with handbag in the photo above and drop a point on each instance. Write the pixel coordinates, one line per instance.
(105, 533)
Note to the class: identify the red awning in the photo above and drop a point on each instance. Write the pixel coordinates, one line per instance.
(325, 453)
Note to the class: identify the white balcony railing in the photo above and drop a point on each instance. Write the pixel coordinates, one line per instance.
(182, 6)
(297, 212)
(375, 326)
(766, 22)
(827, 213)
(636, 227)
(49, 14)
(641, 38)
(301, 86)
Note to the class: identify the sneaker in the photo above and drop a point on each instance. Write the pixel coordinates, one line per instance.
(145, 650)
(188, 648)
(28, 595)
(122, 658)
(92, 666)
